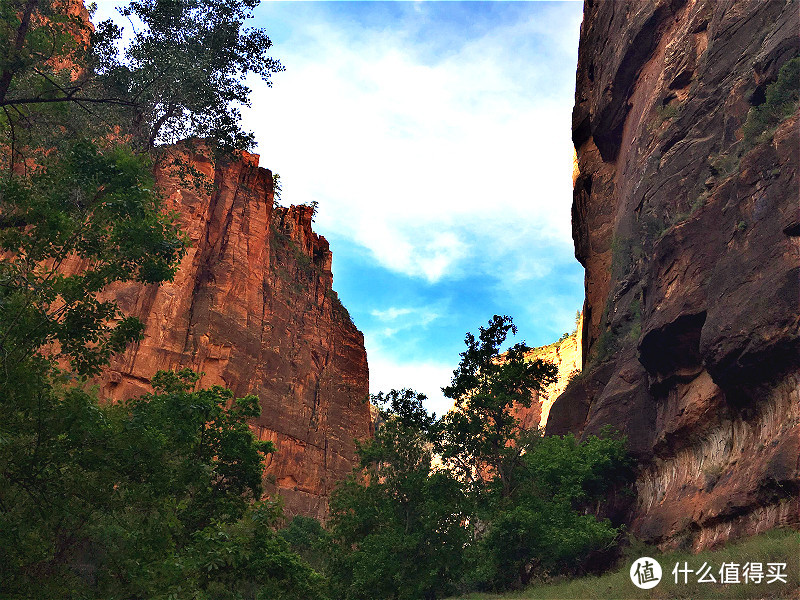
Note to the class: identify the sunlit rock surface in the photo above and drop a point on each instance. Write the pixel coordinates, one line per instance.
(565, 354)
(252, 308)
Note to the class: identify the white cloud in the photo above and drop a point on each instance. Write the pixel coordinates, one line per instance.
(411, 158)
(425, 377)
(390, 314)
(393, 319)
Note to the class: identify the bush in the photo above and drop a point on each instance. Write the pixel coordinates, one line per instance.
(546, 527)
(782, 98)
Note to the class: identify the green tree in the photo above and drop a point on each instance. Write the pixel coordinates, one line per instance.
(156, 497)
(478, 437)
(249, 559)
(547, 525)
(78, 223)
(398, 525)
(530, 496)
(198, 469)
(309, 539)
(78, 204)
(185, 69)
(181, 75)
(112, 498)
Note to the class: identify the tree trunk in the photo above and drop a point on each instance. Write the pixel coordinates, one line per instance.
(13, 55)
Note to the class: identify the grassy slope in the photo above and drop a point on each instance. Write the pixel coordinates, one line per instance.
(774, 546)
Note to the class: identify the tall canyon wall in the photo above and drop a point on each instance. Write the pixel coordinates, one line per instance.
(253, 309)
(688, 226)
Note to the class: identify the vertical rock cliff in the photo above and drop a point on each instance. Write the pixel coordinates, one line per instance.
(252, 308)
(685, 216)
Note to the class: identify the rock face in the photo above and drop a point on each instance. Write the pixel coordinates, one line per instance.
(252, 308)
(687, 225)
(565, 354)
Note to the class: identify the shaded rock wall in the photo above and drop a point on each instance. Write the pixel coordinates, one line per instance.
(252, 307)
(689, 237)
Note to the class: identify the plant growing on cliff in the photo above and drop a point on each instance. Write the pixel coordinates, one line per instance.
(276, 189)
(781, 100)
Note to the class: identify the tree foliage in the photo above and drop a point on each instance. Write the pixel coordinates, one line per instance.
(478, 436)
(547, 525)
(185, 68)
(156, 497)
(398, 525)
(181, 75)
(82, 220)
(499, 506)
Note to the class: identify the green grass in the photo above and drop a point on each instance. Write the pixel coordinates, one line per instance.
(780, 545)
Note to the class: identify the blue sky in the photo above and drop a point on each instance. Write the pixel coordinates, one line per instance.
(436, 138)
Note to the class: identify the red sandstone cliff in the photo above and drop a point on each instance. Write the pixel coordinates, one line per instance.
(689, 237)
(252, 307)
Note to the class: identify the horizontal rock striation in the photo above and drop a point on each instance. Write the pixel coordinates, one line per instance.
(687, 223)
(252, 308)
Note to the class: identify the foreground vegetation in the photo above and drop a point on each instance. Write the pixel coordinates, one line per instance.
(469, 501)
(780, 545)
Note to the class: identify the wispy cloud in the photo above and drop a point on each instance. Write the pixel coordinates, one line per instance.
(434, 164)
(417, 317)
(390, 314)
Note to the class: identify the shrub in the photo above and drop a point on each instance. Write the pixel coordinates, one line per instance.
(782, 98)
(546, 527)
